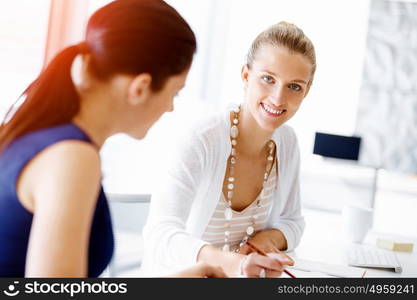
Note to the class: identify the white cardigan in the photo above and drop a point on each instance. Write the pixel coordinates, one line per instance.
(189, 190)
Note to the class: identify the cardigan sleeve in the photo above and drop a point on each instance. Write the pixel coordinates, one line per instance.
(168, 247)
(289, 219)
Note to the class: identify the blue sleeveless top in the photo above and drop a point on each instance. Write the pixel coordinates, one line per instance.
(16, 221)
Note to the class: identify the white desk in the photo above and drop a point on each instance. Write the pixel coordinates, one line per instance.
(323, 241)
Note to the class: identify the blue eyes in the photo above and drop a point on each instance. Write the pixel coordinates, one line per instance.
(295, 87)
(268, 79)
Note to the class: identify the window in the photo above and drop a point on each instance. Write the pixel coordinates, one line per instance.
(23, 32)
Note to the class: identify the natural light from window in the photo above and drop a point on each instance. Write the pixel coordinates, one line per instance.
(23, 32)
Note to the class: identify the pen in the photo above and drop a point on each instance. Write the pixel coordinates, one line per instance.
(264, 254)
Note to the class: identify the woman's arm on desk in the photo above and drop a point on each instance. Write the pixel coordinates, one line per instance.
(269, 240)
(236, 265)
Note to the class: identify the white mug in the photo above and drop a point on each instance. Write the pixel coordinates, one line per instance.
(356, 222)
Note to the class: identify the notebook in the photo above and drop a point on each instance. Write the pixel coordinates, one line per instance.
(308, 268)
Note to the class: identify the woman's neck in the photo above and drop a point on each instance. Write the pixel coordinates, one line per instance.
(94, 118)
(252, 139)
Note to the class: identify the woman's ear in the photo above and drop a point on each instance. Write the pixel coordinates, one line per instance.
(79, 72)
(139, 89)
(244, 73)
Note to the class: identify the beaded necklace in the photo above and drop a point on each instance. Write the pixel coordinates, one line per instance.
(228, 213)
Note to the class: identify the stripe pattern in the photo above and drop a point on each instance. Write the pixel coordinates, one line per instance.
(215, 230)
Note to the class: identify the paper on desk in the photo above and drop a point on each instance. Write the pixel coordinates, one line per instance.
(306, 274)
(315, 269)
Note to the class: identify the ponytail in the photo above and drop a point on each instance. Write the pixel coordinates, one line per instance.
(50, 100)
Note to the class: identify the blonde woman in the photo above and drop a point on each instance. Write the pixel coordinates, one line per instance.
(236, 175)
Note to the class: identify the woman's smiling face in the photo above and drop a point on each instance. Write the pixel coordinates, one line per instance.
(276, 84)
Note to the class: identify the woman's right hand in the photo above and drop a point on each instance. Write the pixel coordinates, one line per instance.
(256, 265)
(201, 270)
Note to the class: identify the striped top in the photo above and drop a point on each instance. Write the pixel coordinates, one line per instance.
(215, 231)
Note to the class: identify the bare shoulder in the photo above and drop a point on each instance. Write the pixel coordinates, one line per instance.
(58, 170)
(72, 149)
(73, 156)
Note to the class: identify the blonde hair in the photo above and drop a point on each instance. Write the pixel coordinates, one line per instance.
(286, 35)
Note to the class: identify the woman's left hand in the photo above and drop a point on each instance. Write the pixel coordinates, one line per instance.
(269, 241)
